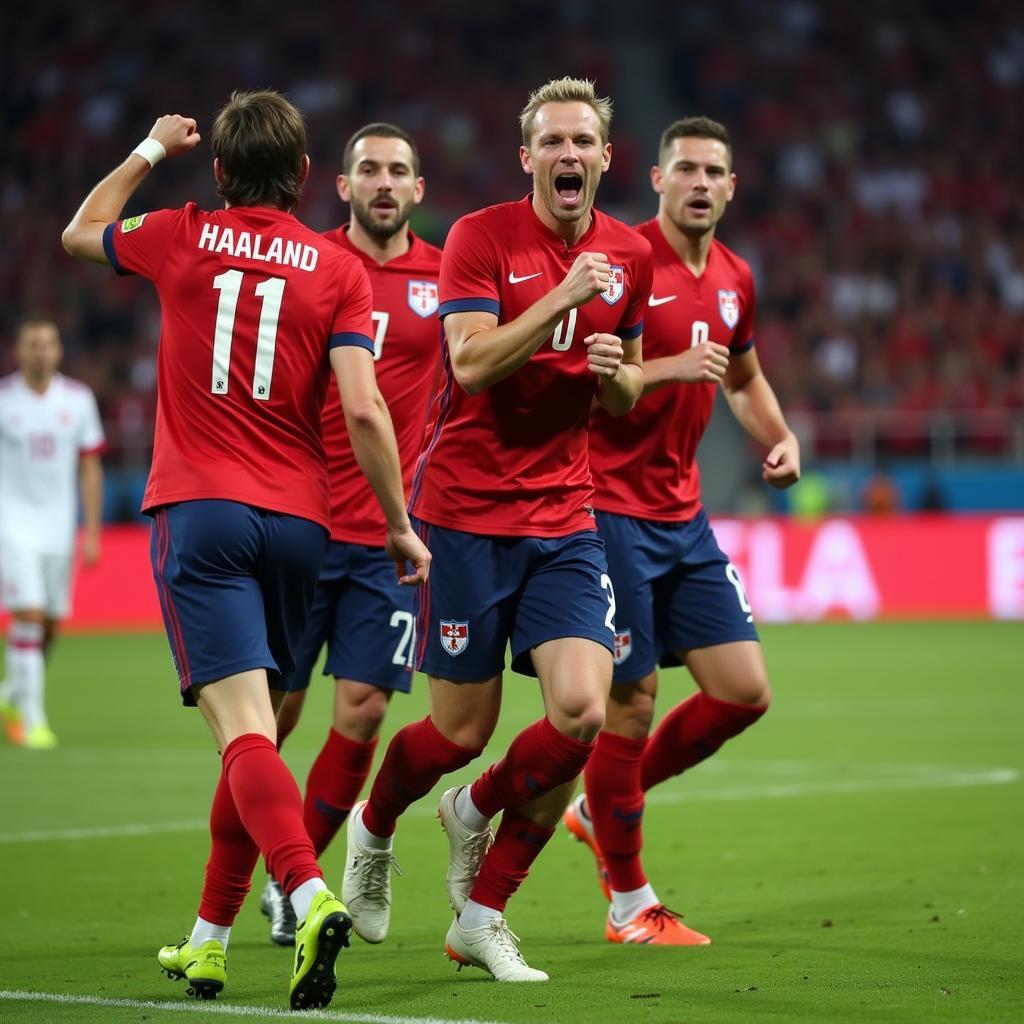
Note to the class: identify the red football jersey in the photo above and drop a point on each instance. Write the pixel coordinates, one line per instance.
(512, 460)
(407, 350)
(645, 463)
(252, 301)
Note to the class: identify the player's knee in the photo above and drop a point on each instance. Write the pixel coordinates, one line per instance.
(753, 690)
(363, 718)
(630, 712)
(471, 734)
(582, 720)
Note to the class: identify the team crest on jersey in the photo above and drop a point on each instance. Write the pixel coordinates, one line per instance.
(423, 298)
(729, 307)
(623, 646)
(131, 223)
(454, 636)
(616, 286)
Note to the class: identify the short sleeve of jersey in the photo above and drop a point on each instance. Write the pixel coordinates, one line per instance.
(632, 324)
(468, 281)
(743, 338)
(137, 245)
(91, 440)
(353, 324)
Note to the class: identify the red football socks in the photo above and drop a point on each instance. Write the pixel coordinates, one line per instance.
(539, 759)
(270, 807)
(616, 805)
(516, 846)
(333, 786)
(416, 758)
(691, 732)
(233, 856)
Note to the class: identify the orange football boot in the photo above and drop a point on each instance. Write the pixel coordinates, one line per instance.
(13, 725)
(579, 829)
(655, 926)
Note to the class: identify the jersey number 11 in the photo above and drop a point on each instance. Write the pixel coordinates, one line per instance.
(271, 291)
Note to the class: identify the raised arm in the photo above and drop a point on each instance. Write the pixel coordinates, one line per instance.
(484, 352)
(83, 237)
(755, 406)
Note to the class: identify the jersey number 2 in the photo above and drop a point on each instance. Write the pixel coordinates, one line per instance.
(271, 291)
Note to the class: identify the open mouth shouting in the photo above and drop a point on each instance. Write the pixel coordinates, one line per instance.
(569, 189)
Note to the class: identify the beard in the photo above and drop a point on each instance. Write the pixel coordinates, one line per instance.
(382, 230)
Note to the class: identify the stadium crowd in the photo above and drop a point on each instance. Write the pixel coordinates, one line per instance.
(879, 198)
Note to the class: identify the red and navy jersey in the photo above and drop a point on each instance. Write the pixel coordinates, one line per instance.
(252, 302)
(512, 460)
(407, 346)
(645, 463)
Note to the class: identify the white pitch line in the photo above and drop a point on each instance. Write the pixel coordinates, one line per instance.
(941, 777)
(103, 831)
(840, 787)
(209, 1007)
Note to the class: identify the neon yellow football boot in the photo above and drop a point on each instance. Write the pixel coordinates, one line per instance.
(204, 968)
(318, 941)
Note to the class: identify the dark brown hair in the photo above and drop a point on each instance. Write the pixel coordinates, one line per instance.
(695, 128)
(379, 130)
(260, 139)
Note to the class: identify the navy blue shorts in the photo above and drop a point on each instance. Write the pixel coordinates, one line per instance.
(487, 592)
(676, 591)
(235, 584)
(364, 617)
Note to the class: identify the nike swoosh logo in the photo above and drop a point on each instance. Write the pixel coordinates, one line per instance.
(652, 301)
(512, 279)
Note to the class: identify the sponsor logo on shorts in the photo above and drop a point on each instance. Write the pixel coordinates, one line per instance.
(454, 636)
(623, 645)
(616, 286)
(131, 223)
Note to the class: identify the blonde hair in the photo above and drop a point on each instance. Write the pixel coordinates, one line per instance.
(566, 90)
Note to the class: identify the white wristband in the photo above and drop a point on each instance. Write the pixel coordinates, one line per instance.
(151, 150)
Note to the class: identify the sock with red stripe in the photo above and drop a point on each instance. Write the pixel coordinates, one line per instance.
(416, 758)
(615, 802)
(270, 807)
(333, 786)
(691, 732)
(538, 759)
(517, 845)
(233, 855)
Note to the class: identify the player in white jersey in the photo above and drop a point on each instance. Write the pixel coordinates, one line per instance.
(50, 434)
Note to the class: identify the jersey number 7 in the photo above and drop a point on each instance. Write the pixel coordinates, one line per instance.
(271, 291)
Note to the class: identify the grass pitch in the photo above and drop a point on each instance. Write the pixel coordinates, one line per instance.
(857, 856)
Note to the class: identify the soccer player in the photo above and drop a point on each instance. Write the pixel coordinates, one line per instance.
(542, 304)
(50, 433)
(359, 612)
(680, 600)
(257, 309)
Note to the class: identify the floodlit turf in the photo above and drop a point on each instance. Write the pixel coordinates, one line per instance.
(857, 856)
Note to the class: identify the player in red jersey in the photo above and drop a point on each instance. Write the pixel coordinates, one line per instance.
(366, 620)
(256, 311)
(680, 600)
(542, 304)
